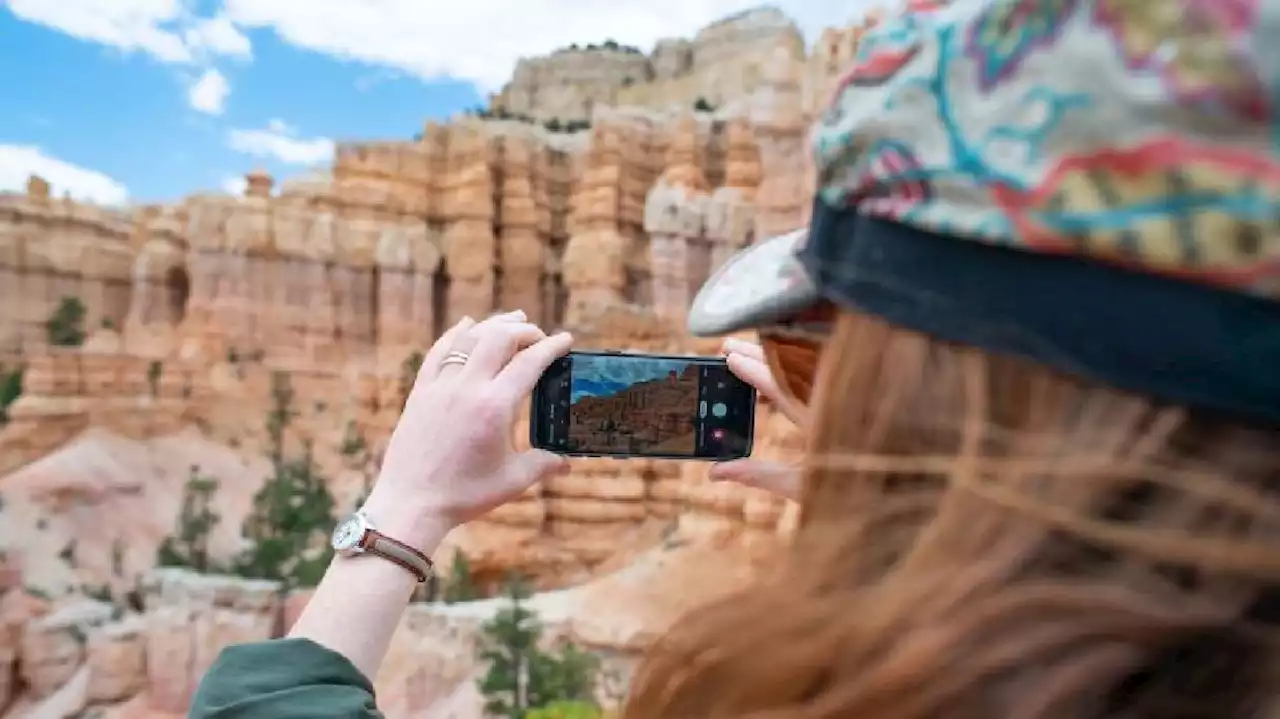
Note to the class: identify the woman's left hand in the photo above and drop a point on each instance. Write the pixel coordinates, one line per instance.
(451, 457)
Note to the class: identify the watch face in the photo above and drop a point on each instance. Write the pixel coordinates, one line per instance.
(348, 533)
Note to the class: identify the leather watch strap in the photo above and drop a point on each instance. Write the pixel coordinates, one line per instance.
(415, 562)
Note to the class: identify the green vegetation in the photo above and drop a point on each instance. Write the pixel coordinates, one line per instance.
(552, 125)
(409, 374)
(188, 546)
(68, 553)
(610, 44)
(280, 414)
(565, 710)
(117, 558)
(702, 105)
(460, 587)
(353, 444)
(10, 391)
(292, 513)
(65, 327)
(523, 678)
(154, 369)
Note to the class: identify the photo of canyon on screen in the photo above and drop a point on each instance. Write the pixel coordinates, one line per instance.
(634, 405)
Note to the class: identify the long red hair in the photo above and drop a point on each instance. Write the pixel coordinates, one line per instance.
(983, 537)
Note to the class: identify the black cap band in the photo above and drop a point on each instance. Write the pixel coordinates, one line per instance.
(1175, 341)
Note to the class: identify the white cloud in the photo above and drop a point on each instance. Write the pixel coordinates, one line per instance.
(480, 40)
(218, 36)
(234, 185)
(164, 29)
(209, 93)
(19, 162)
(280, 142)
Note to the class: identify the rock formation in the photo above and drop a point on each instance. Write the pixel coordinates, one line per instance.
(335, 280)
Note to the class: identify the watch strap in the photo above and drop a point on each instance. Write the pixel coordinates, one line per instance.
(413, 561)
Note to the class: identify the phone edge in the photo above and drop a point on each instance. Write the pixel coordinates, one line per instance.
(536, 395)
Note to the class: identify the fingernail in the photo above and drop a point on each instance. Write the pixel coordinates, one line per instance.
(564, 334)
(516, 313)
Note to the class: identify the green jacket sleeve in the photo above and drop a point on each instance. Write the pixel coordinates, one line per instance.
(283, 679)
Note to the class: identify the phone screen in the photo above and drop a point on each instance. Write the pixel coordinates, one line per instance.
(635, 405)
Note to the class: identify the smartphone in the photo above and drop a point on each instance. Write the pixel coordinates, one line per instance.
(614, 404)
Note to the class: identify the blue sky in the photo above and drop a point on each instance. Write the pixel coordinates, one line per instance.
(594, 375)
(127, 101)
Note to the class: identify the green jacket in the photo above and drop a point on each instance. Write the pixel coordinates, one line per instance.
(283, 679)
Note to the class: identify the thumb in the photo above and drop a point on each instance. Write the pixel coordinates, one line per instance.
(774, 477)
(533, 465)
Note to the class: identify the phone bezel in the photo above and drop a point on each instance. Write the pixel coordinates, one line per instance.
(536, 418)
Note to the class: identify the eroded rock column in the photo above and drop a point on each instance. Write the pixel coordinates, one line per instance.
(785, 190)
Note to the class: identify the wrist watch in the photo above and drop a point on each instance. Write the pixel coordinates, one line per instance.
(355, 535)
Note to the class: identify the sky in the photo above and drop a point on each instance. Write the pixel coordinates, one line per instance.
(595, 375)
(137, 101)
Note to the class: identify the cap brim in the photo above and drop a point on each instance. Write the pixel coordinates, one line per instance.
(761, 285)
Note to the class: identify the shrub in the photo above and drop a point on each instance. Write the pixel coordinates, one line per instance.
(10, 391)
(188, 546)
(65, 327)
(521, 677)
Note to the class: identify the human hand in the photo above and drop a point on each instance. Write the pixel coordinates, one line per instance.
(746, 361)
(451, 456)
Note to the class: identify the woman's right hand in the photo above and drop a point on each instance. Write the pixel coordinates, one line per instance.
(746, 361)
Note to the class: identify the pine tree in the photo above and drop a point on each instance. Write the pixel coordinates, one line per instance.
(508, 643)
(10, 391)
(521, 677)
(280, 415)
(460, 587)
(289, 525)
(292, 513)
(65, 327)
(188, 546)
(565, 677)
(409, 374)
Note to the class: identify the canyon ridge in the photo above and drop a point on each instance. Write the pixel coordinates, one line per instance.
(143, 348)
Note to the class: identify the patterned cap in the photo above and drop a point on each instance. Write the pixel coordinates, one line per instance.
(1092, 146)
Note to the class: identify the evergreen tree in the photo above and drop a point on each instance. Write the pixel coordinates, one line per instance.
(188, 546)
(409, 374)
(280, 415)
(289, 526)
(460, 587)
(10, 391)
(701, 105)
(292, 513)
(353, 444)
(508, 643)
(65, 327)
(521, 677)
(154, 370)
(568, 676)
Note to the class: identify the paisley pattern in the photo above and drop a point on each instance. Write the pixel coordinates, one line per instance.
(1103, 154)
(1007, 31)
(1199, 47)
(1169, 205)
(892, 182)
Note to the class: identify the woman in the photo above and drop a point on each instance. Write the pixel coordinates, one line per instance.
(1043, 468)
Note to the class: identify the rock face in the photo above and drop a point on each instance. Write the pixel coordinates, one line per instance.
(722, 65)
(192, 312)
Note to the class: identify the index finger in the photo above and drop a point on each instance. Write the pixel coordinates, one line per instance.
(522, 373)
